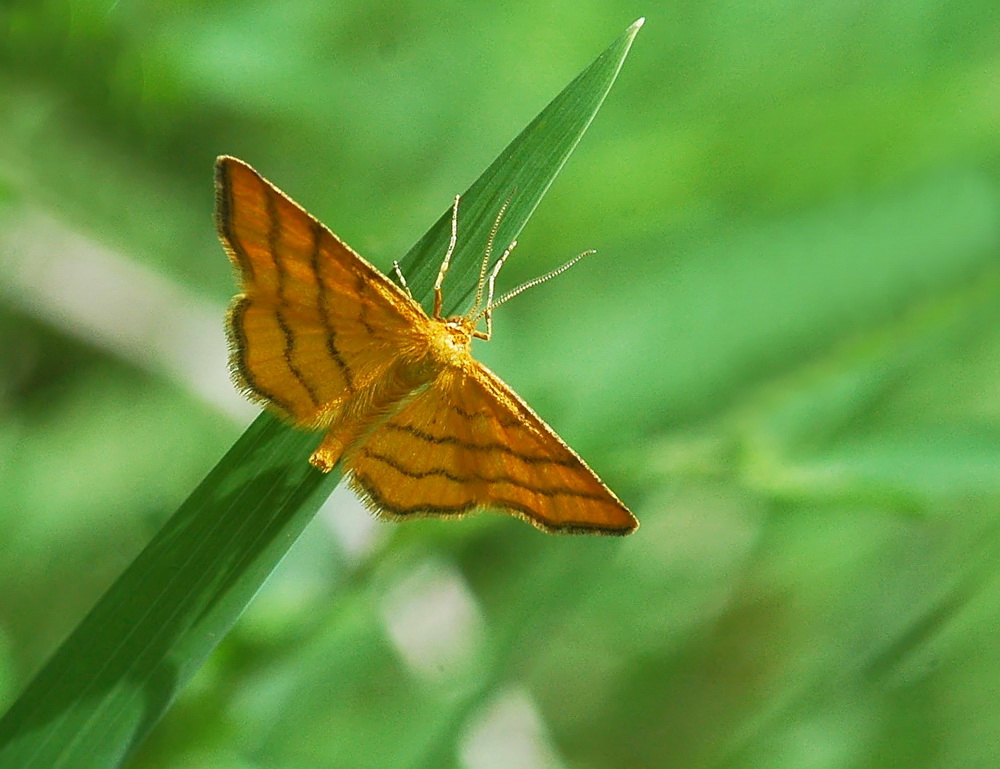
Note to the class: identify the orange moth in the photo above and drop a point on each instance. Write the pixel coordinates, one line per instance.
(326, 341)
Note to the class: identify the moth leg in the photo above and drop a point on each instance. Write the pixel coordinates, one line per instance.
(402, 279)
(438, 300)
(329, 451)
(487, 311)
(334, 444)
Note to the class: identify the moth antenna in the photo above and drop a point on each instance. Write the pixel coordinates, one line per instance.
(490, 305)
(486, 258)
(487, 311)
(402, 280)
(447, 258)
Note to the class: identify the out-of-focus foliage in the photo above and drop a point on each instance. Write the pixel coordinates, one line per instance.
(115, 676)
(786, 358)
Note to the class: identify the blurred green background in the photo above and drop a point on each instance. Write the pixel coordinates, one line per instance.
(785, 359)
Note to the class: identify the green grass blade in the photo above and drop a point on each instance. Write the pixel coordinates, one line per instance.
(116, 674)
(522, 173)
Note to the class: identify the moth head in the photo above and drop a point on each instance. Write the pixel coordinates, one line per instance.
(449, 341)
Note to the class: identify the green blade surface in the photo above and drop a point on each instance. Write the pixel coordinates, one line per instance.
(117, 673)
